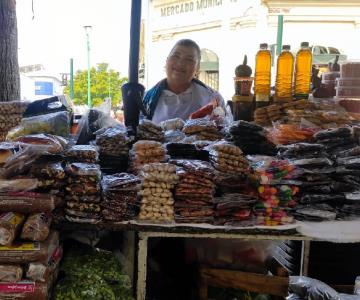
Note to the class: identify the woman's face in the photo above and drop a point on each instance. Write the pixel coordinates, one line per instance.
(182, 65)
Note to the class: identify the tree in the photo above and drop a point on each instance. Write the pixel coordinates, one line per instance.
(9, 65)
(104, 83)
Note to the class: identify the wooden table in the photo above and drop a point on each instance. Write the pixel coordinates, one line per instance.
(207, 231)
(141, 233)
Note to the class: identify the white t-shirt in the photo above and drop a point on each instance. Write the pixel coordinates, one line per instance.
(181, 105)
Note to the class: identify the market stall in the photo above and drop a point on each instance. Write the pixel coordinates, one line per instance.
(202, 178)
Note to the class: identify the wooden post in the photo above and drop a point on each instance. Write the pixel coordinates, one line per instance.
(203, 285)
(142, 266)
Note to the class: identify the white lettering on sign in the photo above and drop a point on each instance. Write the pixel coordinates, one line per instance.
(186, 7)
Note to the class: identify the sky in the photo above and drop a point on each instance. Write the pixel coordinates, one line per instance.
(55, 32)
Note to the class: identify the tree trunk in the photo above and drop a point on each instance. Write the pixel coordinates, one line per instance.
(9, 65)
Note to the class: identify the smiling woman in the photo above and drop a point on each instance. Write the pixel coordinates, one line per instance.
(180, 93)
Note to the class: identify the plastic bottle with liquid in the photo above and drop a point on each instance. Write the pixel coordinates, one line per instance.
(262, 76)
(284, 75)
(303, 63)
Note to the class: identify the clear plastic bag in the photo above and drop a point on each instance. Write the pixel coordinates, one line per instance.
(289, 133)
(193, 126)
(10, 273)
(21, 162)
(348, 297)
(48, 169)
(113, 141)
(83, 169)
(16, 185)
(312, 289)
(172, 124)
(36, 227)
(294, 297)
(50, 143)
(231, 254)
(10, 224)
(93, 120)
(172, 136)
(27, 202)
(83, 153)
(55, 123)
(43, 271)
(30, 252)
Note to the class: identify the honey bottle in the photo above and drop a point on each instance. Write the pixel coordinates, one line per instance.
(284, 75)
(262, 76)
(303, 63)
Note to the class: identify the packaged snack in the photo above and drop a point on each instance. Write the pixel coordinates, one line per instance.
(26, 252)
(10, 273)
(54, 123)
(27, 202)
(10, 224)
(36, 227)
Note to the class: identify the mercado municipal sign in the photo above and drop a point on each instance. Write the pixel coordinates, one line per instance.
(189, 6)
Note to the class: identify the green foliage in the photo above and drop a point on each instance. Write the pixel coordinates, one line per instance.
(92, 274)
(104, 81)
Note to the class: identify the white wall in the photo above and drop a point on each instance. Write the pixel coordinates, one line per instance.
(27, 83)
(243, 25)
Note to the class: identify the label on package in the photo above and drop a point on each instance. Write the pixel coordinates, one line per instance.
(22, 247)
(12, 218)
(17, 288)
(56, 255)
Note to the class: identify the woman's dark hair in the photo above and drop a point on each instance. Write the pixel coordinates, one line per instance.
(188, 43)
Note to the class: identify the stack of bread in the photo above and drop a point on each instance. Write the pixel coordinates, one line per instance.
(10, 116)
(114, 145)
(83, 192)
(194, 201)
(264, 116)
(144, 152)
(202, 129)
(148, 130)
(50, 175)
(29, 251)
(250, 138)
(82, 153)
(119, 196)
(157, 202)
(227, 158)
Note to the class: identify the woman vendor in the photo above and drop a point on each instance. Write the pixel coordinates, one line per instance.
(180, 94)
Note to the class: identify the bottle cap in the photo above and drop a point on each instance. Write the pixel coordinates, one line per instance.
(263, 46)
(286, 47)
(305, 44)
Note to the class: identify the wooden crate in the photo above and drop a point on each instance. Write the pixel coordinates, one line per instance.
(258, 283)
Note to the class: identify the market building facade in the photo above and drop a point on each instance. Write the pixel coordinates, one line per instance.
(226, 30)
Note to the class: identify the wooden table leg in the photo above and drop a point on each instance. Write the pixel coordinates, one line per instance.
(304, 264)
(203, 286)
(142, 266)
(128, 251)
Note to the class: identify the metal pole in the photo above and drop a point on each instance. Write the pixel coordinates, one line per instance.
(279, 34)
(132, 91)
(71, 78)
(87, 28)
(134, 41)
(109, 85)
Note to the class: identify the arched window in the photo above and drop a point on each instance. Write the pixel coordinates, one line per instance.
(209, 68)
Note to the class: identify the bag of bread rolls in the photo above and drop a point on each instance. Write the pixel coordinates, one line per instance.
(10, 224)
(10, 273)
(36, 227)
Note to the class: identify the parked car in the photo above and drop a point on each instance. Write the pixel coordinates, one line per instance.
(322, 55)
